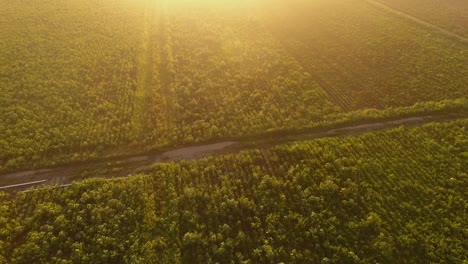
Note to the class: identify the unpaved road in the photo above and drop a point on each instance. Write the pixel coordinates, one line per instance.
(417, 20)
(121, 167)
(114, 168)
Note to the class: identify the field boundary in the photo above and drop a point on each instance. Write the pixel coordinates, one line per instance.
(65, 175)
(417, 20)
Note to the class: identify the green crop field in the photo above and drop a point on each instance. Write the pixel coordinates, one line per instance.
(397, 196)
(68, 78)
(94, 78)
(244, 131)
(364, 57)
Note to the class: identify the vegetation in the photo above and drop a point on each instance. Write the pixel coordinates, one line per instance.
(450, 15)
(94, 78)
(225, 76)
(396, 196)
(67, 78)
(365, 57)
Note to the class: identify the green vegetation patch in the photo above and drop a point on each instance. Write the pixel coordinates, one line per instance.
(397, 196)
(87, 79)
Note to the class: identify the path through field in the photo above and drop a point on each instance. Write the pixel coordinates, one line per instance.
(124, 166)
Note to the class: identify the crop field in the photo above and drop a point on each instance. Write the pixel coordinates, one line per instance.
(231, 78)
(233, 131)
(397, 196)
(90, 79)
(68, 76)
(450, 14)
(364, 57)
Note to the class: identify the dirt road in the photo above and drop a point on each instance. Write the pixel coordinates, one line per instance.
(121, 167)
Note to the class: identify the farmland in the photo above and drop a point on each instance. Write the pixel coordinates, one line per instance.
(91, 79)
(450, 15)
(68, 78)
(364, 57)
(396, 196)
(247, 131)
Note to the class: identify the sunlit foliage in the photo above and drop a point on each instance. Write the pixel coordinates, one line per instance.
(390, 197)
(87, 79)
